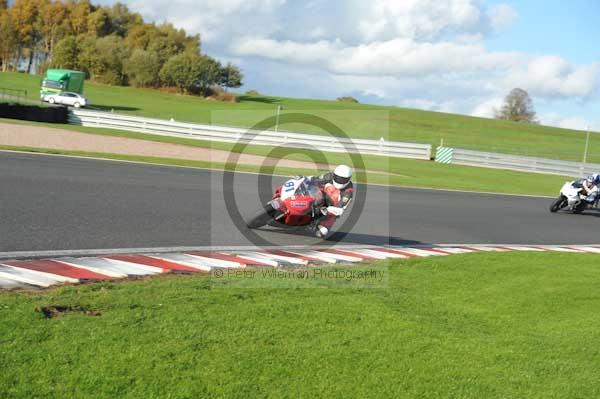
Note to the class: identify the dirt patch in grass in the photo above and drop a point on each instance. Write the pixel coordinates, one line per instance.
(53, 311)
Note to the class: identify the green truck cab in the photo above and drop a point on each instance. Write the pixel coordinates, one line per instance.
(61, 80)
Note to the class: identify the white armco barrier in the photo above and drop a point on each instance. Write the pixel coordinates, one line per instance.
(325, 143)
(515, 162)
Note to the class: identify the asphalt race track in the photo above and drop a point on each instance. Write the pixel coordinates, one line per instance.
(62, 203)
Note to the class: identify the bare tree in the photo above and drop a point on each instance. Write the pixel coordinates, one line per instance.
(517, 107)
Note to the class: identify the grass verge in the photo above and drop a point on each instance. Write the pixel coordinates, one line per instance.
(491, 325)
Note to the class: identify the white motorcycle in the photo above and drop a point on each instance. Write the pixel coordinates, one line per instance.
(574, 199)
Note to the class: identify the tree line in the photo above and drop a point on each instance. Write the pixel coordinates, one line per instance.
(111, 44)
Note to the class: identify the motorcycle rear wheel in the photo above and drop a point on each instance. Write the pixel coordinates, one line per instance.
(558, 204)
(262, 217)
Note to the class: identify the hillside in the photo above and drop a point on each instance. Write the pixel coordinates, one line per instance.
(358, 120)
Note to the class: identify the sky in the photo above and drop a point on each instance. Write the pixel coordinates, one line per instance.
(458, 56)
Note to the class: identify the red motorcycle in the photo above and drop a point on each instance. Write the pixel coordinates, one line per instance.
(298, 202)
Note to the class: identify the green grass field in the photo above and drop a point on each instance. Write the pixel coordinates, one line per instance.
(519, 325)
(358, 120)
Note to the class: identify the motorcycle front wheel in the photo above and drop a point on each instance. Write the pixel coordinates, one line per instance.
(558, 204)
(262, 217)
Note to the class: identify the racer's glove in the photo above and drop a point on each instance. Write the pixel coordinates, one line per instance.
(334, 210)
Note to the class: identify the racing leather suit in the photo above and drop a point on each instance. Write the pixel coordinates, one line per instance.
(336, 200)
(588, 188)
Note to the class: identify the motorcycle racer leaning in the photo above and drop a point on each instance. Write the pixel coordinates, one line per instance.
(589, 186)
(338, 190)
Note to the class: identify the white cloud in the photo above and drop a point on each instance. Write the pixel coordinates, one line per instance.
(428, 40)
(419, 19)
(487, 108)
(553, 76)
(212, 19)
(576, 122)
(565, 122)
(396, 57)
(285, 50)
(502, 16)
(545, 76)
(374, 92)
(407, 57)
(430, 20)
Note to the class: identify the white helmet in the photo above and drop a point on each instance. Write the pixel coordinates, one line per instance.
(593, 179)
(341, 176)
